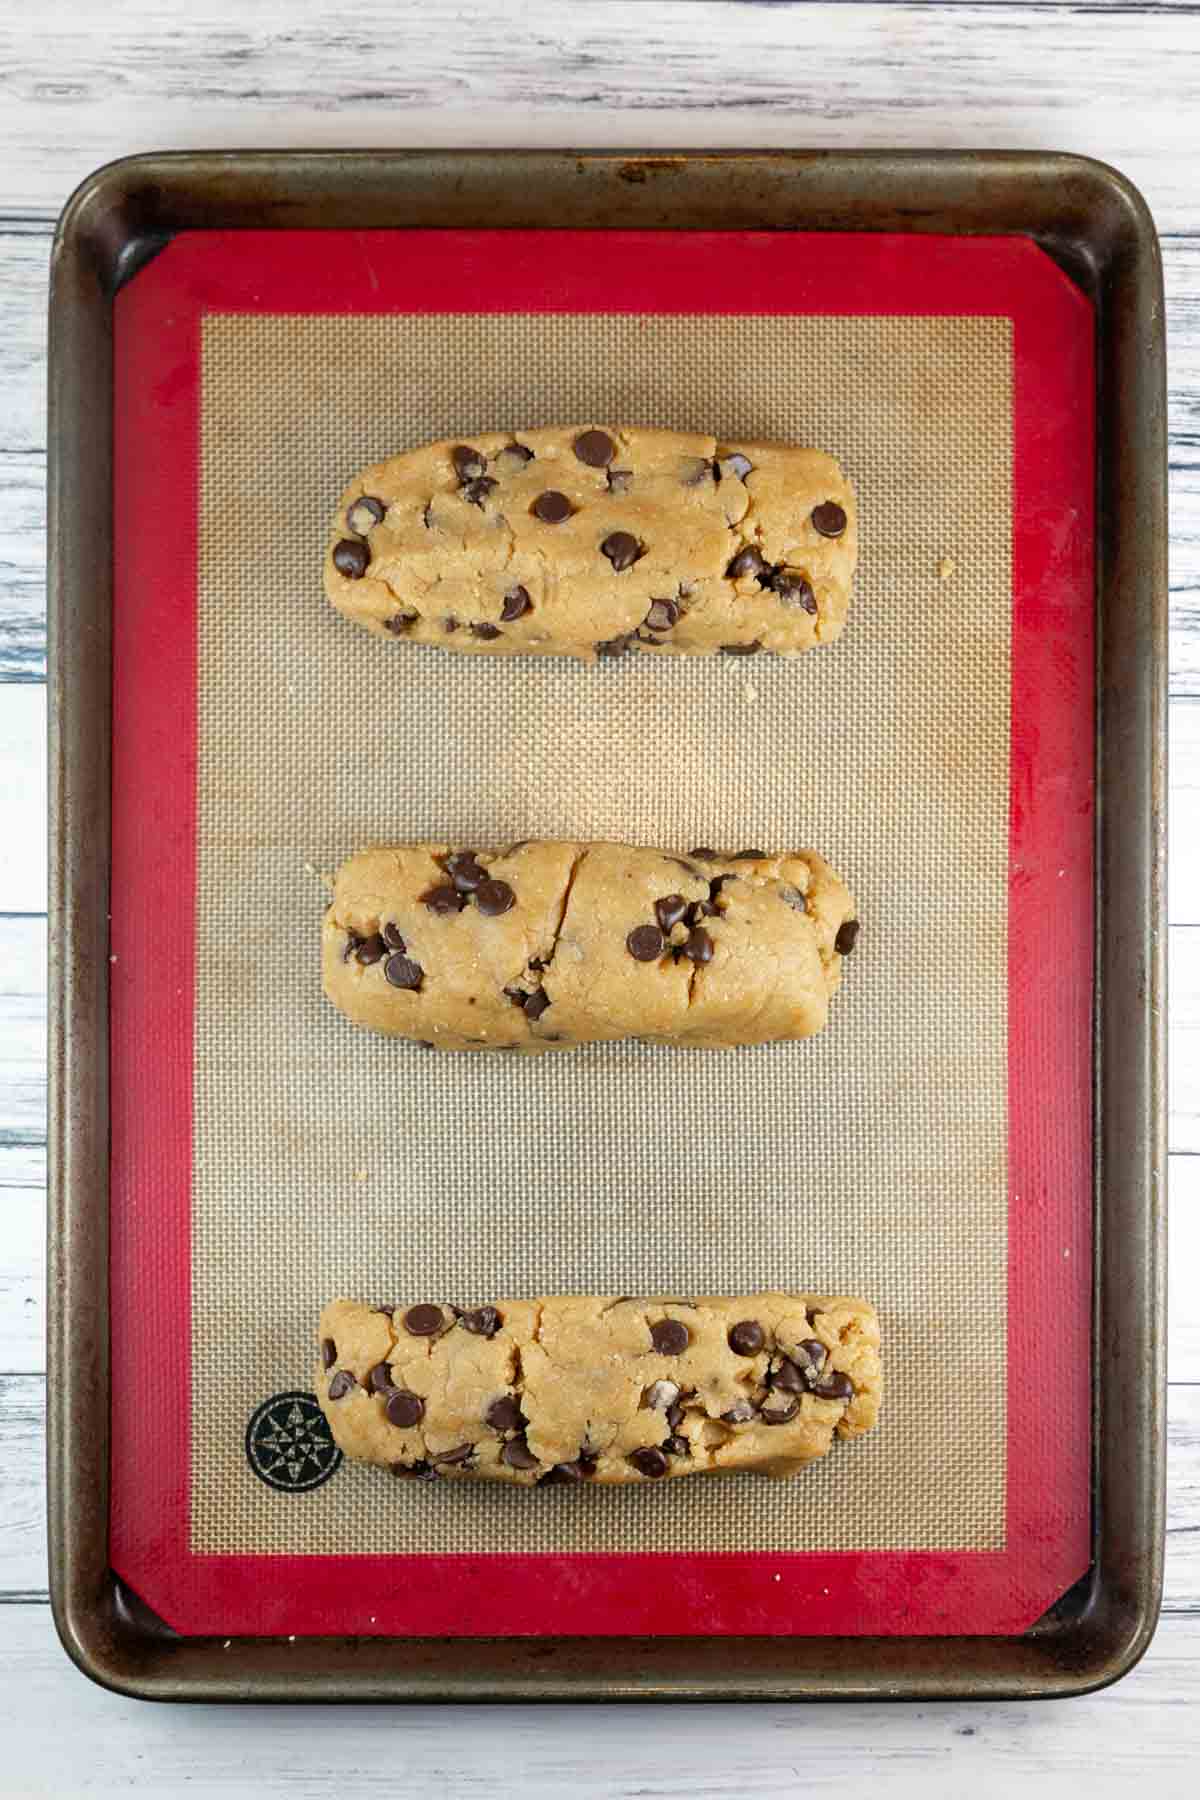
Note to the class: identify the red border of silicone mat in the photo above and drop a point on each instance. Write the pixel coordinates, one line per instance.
(157, 394)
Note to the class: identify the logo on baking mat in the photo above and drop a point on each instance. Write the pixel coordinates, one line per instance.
(288, 1444)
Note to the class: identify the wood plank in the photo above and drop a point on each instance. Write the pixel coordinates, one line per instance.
(1120, 83)
(1184, 1062)
(24, 272)
(22, 1512)
(22, 1032)
(68, 1737)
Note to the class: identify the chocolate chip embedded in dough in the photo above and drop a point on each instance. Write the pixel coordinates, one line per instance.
(746, 1338)
(485, 631)
(351, 558)
(484, 1321)
(791, 896)
(505, 1414)
(670, 910)
(645, 943)
(536, 1004)
(419, 1470)
(364, 513)
(328, 1353)
(741, 649)
(699, 947)
(469, 463)
(341, 1384)
(829, 519)
(443, 898)
(380, 1379)
(404, 1408)
(834, 1386)
(622, 550)
(747, 562)
(402, 972)
(677, 1446)
(620, 481)
(424, 1320)
(513, 458)
(670, 1337)
(615, 646)
(793, 589)
(516, 604)
(517, 1454)
(450, 1458)
(740, 1413)
(552, 507)
(662, 616)
(392, 938)
(595, 448)
(649, 1462)
(399, 623)
(779, 1412)
(788, 1377)
(847, 936)
(371, 949)
(736, 464)
(582, 1469)
(675, 1416)
(477, 491)
(704, 854)
(351, 944)
(494, 897)
(661, 1396)
(749, 856)
(465, 871)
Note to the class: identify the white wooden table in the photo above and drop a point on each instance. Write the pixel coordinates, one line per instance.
(82, 81)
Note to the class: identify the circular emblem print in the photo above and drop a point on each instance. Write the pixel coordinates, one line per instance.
(288, 1444)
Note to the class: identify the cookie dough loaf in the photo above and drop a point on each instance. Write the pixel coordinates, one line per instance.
(588, 540)
(548, 945)
(586, 1388)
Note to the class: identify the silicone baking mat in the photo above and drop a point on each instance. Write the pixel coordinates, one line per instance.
(930, 1150)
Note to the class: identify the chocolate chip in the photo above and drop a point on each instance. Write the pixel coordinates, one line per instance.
(351, 944)
(380, 1379)
(392, 938)
(787, 1376)
(791, 896)
(399, 623)
(485, 631)
(516, 603)
(675, 1416)
(340, 1384)
(517, 1454)
(449, 624)
(661, 1396)
(699, 947)
(677, 1446)
(371, 949)
(505, 1414)
(781, 1412)
(847, 936)
(740, 1413)
(387, 1311)
(834, 1386)
(328, 1353)
(595, 448)
(403, 973)
(465, 871)
(350, 558)
(736, 464)
(747, 562)
(536, 1004)
(809, 1357)
(477, 491)
(552, 507)
(615, 646)
(469, 464)
(704, 854)
(670, 1337)
(444, 898)
(419, 1470)
(484, 1321)
(581, 1470)
(620, 481)
(622, 549)
(645, 943)
(793, 589)
(494, 897)
(829, 519)
(747, 1337)
(749, 856)
(662, 615)
(670, 910)
(649, 1462)
(460, 1454)
(741, 649)
(404, 1408)
(515, 456)
(363, 513)
(424, 1321)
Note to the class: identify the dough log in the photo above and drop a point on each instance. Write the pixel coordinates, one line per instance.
(582, 1388)
(549, 944)
(589, 541)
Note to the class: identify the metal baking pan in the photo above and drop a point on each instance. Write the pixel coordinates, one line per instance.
(1097, 228)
